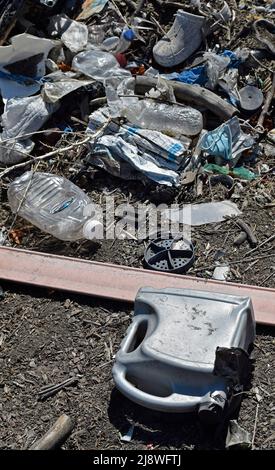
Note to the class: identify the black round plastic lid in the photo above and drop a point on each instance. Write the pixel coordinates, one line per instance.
(172, 255)
(251, 98)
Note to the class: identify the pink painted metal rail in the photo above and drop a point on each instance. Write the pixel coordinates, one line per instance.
(115, 281)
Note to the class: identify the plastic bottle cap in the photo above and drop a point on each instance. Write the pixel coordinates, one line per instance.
(92, 229)
(129, 34)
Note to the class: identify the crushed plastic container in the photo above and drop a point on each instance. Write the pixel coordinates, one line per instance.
(204, 213)
(179, 351)
(53, 204)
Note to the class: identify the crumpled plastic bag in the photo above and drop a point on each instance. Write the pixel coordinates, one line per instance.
(22, 116)
(99, 65)
(12, 151)
(216, 65)
(72, 33)
(22, 65)
(25, 115)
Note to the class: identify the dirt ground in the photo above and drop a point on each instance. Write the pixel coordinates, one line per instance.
(48, 337)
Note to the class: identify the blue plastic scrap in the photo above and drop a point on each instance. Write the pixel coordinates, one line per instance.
(20, 78)
(195, 76)
(220, 141)
(198, 75)
(234, 61)
(227, 141)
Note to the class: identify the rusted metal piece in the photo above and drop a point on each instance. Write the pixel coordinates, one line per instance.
(115, 281)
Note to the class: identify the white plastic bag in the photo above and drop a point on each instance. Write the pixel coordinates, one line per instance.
(99, 65)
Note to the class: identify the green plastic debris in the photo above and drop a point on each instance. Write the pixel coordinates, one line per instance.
(213, 168)
(243, 173)
(239, 172)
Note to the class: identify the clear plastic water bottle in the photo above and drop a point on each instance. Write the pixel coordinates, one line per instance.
(172, 120)
(125, 41)
(54, 205)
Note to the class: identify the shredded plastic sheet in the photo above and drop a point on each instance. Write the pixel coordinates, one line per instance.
(171, 150)
(22, 65)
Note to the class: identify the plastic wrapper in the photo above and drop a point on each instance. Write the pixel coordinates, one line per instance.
(129, 153)
(90, 8)
(171, 150)
(163, 150)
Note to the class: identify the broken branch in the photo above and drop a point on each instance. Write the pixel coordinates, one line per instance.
(267, 104)
(56, 436)
(250, 235)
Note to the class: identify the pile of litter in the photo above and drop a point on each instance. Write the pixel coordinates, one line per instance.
(173, 103)
(114, 87)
